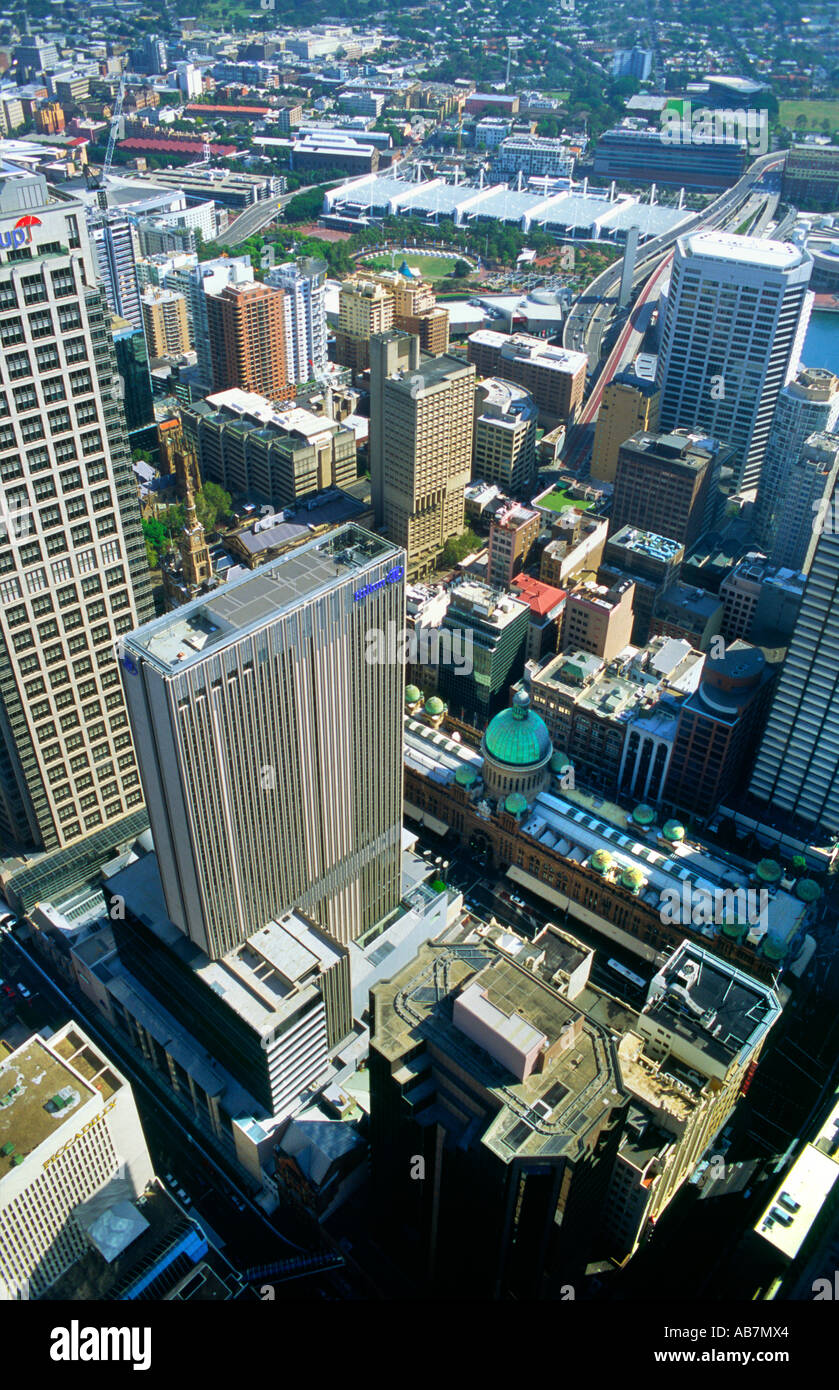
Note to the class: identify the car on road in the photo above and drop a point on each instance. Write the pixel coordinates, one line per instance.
(24, 992)
(9, 991)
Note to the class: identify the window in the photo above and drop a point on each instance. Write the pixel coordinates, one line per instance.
(30, 554)
(34, 289)
(82, 534)
(40, 324)
(63, 282)
(54, 389)
(10, 468)
(75, 350)
(47, 357)
(8, 439)
(56, 544)
(44, 488)
(38, 459)
(62, 569)
(86, 413)
(59, 421)
(8, 296)
(70, 480)
(49, 516)
(17, 365)
(11, 331)
(69, 317)
(26, 398)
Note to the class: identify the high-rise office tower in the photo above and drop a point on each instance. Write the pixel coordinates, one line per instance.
(805, 493)
(668, 484)
(247, 340)
(808, 405)
(737, 311)
(69, 1132)
(73, 570)
(629, 404)
(133, 367)
(797, 767)
(304, 284)
(421, 430)
(270, 748)
(113, 247)
(207, 278)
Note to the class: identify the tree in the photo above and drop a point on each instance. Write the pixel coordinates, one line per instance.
(461, 269)
(211, 503)
(458, 547)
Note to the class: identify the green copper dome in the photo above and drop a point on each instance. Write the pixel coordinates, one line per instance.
(434, 706)
(673, 831)
(735, 929)
(633, 879)
(769, 870)
(412, 695)
(560, 762)
(518, 736)
(808, 890)
(515, 803)
(643, 815)
(601, 861)
(466, 777)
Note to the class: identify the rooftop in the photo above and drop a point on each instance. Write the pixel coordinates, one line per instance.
(182, 637)
(755, 251)
(42, 1085)
(549, 1111)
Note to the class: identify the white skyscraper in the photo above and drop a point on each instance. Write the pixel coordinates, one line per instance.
(797, 768)
(73, 568)
(270, 748)
(304, 283)
(737, 311)
(808, 405)
(113, 245)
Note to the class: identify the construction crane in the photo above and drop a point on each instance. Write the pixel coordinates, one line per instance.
(112, 140)
(512, 45)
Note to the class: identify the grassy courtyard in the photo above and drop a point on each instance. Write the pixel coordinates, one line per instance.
(559, 501)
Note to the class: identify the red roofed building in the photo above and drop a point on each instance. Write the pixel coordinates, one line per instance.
(242, 113)
(546, 609)
(161, 146)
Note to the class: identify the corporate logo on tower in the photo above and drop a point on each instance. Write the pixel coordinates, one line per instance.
(20, 234)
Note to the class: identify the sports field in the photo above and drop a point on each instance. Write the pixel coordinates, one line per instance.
(814, 113)
(430, 267)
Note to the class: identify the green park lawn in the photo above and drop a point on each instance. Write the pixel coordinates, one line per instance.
(814, 113)
(430, 267)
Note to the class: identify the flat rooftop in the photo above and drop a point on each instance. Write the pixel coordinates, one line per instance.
(698, 995)
(646, 543)
(243, 605)
(30, 1080)
(547, 1114)
(756, 251)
